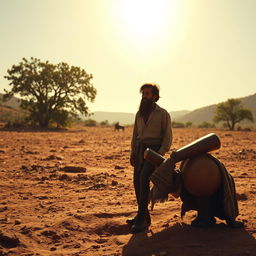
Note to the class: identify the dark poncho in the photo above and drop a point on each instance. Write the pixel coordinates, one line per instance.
(224, 201)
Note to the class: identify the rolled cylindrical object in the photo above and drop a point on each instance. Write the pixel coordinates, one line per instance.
(153, 157)
(204, 144)
(200, 173)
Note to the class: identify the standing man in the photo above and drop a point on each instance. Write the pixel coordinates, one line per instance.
(152, 129)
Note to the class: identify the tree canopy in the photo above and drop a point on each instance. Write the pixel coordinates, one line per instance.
(50, 93)
(232, 112)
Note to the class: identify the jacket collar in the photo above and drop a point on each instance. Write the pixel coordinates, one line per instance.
(157, 108)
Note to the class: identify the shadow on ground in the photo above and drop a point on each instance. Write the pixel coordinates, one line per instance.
(182, 239)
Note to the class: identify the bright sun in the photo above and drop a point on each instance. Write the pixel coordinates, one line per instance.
(147, 18)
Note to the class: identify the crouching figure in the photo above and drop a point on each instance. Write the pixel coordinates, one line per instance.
(202, 182)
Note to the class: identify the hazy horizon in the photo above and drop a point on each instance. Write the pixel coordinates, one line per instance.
(199, 52)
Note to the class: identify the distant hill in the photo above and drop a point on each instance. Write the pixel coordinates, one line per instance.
(10, 110)
(14, 102)
(113, 117)
(199, 115)
(178, 114)
(207, 113)
(126, 118)
(196, 116)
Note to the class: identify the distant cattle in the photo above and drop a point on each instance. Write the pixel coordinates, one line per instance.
(118, 127)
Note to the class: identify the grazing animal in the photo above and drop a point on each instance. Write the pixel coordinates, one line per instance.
(118, 127)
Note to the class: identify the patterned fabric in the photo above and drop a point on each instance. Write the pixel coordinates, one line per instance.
(166, 179)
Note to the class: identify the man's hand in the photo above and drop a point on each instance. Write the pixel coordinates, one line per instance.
(132, 160)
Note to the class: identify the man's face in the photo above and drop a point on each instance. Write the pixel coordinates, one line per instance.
(147, 94)
(147, 101)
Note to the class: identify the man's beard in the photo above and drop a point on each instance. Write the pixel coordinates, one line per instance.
(146, 106)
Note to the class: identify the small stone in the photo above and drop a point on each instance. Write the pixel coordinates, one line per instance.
(65, 177)
(101, 240)
(118, 167)
(114, 183)
(166, 225)
(3, 209)
(53, 157)
(73, 169)
(9, 242)
(242, 152)
(17, 222)
(31, 152)
(95, 246)
(4, 220)
(24, 167)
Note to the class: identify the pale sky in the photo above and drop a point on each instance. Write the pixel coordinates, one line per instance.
(200, 52)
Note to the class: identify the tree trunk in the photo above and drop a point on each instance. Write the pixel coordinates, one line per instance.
(233, 126)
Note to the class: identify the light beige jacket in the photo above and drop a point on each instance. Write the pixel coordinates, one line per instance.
(158, 128)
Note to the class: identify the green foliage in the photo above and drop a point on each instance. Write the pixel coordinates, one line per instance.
(232, 112)
(206, 125)
(104, 123)
(50, 93)
(188, 124)
(182, 125)
(9, 117)
(61, 118)
(178, 124)
(90, 122)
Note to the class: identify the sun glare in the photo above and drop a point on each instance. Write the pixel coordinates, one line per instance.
(146, 18)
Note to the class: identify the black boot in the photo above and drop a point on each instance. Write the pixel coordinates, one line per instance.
(203, 222)
(141, 223)
(205, 217)
(234, 223)
(131, 221)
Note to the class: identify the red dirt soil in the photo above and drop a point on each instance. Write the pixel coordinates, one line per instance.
(49, 208)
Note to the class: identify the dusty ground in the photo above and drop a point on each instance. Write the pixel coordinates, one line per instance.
(46, 209)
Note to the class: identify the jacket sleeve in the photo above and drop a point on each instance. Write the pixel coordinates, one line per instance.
(167, 133)
(134, 136)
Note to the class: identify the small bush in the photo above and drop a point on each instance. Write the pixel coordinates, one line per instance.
(104, 123)
(188, 124)
(15, 125)
(178, 125)
(90, 123)
(206, 125)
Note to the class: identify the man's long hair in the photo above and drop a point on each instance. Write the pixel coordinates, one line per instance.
(154, 88)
